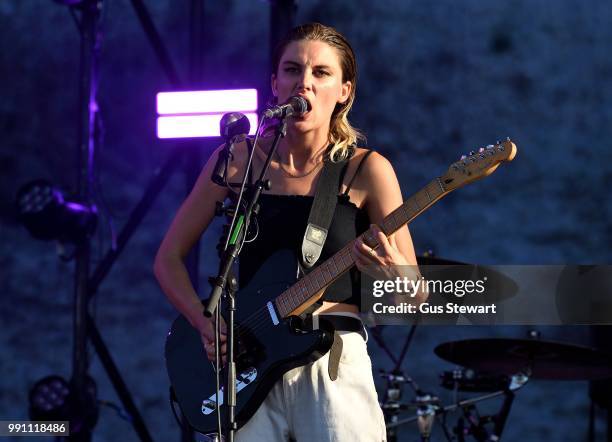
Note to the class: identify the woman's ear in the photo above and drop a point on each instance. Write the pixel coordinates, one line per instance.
(345, 93)
(273, 85)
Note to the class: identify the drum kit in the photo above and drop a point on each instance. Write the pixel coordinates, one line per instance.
(492, 368)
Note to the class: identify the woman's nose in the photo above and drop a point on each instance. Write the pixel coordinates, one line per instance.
(305, 80)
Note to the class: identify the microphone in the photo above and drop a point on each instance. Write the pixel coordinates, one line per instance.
(233, 126)
(296, 105)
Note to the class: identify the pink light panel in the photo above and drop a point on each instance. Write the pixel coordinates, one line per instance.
(197, 114)
(195, 126)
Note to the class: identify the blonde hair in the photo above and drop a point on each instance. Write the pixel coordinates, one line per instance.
(342, 135)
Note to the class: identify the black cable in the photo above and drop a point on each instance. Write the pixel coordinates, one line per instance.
(119, 410)
(218, 365)
(170, 398)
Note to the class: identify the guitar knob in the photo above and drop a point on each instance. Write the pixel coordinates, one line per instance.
(481, 150)
(490, 146)
(463, 157)
(471, 152)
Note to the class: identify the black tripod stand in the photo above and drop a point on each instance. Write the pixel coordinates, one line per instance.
(82, 400)
(244, 211)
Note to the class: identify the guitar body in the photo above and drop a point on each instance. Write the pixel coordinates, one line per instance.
(265, 351)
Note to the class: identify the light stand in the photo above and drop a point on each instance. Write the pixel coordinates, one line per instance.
(86, 286)
(84, 411)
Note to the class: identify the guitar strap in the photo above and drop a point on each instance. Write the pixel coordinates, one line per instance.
(321, 213)
(319, 221)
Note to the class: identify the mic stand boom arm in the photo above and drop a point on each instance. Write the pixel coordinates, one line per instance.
(236, 235)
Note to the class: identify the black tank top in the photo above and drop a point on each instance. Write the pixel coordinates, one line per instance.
(282, 222)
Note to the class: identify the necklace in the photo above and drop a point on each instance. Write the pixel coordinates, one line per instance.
(291, 175)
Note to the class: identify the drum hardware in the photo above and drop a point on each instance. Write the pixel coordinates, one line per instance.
(427, 407)
(424, 404)
(391, 405)
(395, 380)
(476, 424)
(498, 357)
(469, 380)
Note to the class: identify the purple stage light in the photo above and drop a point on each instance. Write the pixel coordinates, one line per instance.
(206, 102)
(195, 126)
(196, 114)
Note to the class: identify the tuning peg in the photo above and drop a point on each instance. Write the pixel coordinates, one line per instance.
(508, 139)
(490, 146)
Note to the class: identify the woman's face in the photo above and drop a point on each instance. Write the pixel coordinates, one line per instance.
(311, 69)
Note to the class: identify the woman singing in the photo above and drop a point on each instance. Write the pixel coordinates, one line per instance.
(317, 63)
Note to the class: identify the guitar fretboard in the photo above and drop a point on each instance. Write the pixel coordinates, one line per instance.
(331, 269)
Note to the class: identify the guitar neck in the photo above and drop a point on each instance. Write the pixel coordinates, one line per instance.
(308, 289)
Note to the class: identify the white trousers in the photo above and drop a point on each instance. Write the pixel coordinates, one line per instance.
(307, 406)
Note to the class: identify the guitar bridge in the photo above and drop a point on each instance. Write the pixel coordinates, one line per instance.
(242, 380)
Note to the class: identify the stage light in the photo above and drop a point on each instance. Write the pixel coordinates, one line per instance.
(43, 210)
(49, 399)
(196, 114)
(52, 399)
(195, 126)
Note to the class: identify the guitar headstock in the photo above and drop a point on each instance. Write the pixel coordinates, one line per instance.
(478, 165)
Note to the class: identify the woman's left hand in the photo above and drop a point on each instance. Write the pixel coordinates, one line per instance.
(384, 254)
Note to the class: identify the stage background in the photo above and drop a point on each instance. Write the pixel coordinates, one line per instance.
(436, 79)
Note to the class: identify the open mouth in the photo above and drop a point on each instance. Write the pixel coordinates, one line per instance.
(309, 107)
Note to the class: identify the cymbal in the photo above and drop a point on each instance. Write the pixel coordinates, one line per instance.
(538, 359)
(501, 286)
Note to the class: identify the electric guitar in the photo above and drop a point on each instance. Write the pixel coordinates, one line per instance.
(270, 339)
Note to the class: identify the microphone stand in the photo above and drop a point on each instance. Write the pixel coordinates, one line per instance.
(233, 245)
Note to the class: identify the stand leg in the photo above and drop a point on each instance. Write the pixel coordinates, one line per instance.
(83, 407)
(117, 381)
(502, 416)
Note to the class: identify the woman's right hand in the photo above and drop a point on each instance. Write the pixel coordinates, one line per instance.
(207, 334)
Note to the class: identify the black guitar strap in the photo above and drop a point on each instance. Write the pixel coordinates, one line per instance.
(321, 213)
(319, 221)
